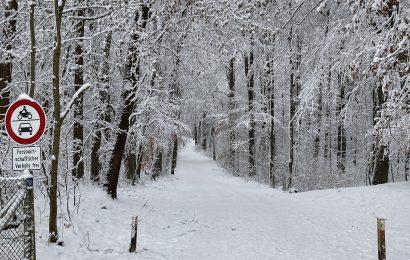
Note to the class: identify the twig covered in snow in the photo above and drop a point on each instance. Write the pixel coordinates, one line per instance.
(73, 99)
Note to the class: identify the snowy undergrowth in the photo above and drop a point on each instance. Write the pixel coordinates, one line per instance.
(204, 213)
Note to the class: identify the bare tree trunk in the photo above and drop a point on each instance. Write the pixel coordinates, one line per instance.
(78, 129)
(137, 175)
(292, 110)
(52, 224)
(319, 116)
(272, 137)
(213, 144)
(381, 159)
(231, 112)
(381, 166)
(407, 165)
(128, 97)
(104, 113)
(251, 131)
(327, 149)
(174, 154)
(33, 50)
(203, 132)
(130, 162)
(341, 131)
(318, 122)
(196, 134)
(6, 66)
(157, 170)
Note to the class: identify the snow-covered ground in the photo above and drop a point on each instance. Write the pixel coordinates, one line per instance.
(204, 213)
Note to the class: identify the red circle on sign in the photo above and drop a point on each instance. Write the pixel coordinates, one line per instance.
(42, 118)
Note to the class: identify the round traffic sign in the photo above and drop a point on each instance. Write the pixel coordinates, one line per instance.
(25, 121)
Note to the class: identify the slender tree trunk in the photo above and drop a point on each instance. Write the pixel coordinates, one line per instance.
(55, 152)
(407, 165)
(271, 105)
(231, 112)
(78, 129)
(157, 171)
(130, 163)
(203, 132)
(104, 113)
(292, 110)
(128, 97)
(341, 131)
(381, 166)
(381, 158)
(199, 137)
(174, 154)
(137, 175)
(327, 149)
(318, 122)
(319, 116)
(6, 66)
(196, 134)
(213, 144)
(33, 50)
(251, 131)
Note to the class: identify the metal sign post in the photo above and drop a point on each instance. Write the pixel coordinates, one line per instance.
(29, 223)
(25, 123)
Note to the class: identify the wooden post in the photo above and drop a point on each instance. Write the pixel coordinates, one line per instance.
(134, 230)
(381, 239)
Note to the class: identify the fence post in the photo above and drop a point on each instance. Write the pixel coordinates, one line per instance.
(381, 239)
(134, 231)
(29, 224)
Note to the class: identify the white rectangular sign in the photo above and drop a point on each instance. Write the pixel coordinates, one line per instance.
(26, 158)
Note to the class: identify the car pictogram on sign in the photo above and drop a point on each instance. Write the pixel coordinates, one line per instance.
(25, 128)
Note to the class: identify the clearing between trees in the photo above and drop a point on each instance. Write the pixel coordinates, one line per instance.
(203, 212)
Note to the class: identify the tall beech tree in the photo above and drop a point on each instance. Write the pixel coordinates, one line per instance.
(78, 129)
(128, 97)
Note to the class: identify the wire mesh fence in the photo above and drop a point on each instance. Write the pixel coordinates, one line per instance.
(16, 219)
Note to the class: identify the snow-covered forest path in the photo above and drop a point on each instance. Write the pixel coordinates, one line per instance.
(205, 213)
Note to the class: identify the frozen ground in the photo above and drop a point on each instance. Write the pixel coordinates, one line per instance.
(204, 213)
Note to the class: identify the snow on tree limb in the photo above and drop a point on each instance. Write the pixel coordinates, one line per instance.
(73, 99)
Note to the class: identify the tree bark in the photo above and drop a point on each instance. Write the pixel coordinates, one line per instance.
(341, 131)
(78, 129)
(196, 134)
(231, 112)
(213, 144)
(128, 99)
(104, 113)
(33, 50)
(271, 105)
(174, 154)
(137, 175)
(380, 158)
(381, 166)
(157, 170)
(131, 164)
(292, 109)
(55, 152)
(6, 66)
(407, 165)
(251, 131)
(318, 122)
